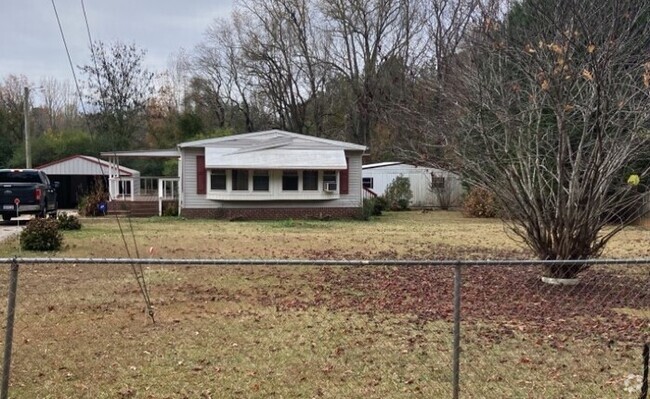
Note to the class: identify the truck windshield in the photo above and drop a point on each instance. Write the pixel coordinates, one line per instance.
(19, 177)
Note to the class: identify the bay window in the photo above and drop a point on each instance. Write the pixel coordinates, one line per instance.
(290, 180)
(218, 180)
(261, 180)
(239, 180)
(310, 180)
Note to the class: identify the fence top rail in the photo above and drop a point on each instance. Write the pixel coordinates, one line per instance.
(324, 262)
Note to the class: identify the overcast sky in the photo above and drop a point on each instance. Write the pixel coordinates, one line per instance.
(31, 45)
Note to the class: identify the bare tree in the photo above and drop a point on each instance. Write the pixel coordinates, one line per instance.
(442, 186)
(119, 87)
(11, 116)
(284, 57)
(11, 103)
(428, 111)
(221, 63)
(557, 117)
(179, 68)
(60, 102)
(53, 100)
(363, 34)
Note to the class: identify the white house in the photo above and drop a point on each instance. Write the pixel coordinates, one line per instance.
(271, 174)
(431, 187)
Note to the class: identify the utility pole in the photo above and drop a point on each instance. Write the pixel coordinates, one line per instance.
(28, 149)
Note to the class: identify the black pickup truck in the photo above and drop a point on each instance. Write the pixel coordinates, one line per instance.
(26, 191)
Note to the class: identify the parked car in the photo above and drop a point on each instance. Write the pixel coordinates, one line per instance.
(26, 191)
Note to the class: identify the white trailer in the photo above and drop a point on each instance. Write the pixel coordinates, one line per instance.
(431, 187)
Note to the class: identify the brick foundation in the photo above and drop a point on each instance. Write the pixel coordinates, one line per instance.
(270, 213)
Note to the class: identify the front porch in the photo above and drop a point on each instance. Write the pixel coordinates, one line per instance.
(143, 196)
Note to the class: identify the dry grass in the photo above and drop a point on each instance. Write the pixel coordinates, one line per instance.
(395, 235)
(288, 332)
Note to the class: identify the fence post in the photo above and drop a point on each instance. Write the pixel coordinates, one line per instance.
(456, 343)
(646, 365)
(9, 333)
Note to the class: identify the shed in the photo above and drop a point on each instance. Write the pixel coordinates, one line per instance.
(79, 174)
(431, 187)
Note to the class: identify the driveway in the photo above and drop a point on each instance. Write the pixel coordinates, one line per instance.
(15, 226)
(8, 229)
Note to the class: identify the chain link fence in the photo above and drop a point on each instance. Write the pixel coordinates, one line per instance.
(330, 329)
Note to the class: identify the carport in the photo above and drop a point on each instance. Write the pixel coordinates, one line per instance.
(78, 175)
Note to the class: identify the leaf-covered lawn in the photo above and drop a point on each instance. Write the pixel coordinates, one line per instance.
(331, 332)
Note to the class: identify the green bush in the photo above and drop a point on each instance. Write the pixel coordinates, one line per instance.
(398, 194)
(480, 203)
(367, 209)
(380, 205)
(372, 207)
(41, 235)
(68, 222)
(170, 210)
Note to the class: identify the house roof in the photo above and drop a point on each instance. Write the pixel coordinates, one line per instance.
(171, 153)
(379, 165)
(401, 167)
(268, 139)
(82, 165)
(274, 158)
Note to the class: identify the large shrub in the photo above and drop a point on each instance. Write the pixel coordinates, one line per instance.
(170, 210)
(68, 222)
(480, 203)
(41, 235)
(89, 205)
(398, 193)
(371, 207)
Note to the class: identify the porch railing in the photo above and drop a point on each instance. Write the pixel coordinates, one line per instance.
(368, 193)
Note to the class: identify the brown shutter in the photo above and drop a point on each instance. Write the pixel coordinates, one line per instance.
(345, 178)
(200, 174)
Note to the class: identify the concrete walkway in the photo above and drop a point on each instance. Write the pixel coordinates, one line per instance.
(12, 227)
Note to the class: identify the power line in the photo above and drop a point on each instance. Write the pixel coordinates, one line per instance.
(67, 51)
(92, 53)
(137, 271)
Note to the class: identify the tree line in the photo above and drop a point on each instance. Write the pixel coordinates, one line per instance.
(365, 71)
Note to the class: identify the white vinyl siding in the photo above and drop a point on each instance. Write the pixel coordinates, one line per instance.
(81, 165)
(200, 201)
(420, 179)
(190, 198)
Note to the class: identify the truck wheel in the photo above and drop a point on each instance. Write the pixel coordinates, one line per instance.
(6, 217)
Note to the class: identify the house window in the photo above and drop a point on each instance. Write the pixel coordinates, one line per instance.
(261, 180)
(239, 180)
(124, 187)
(368, 182)
(329, 180)
(310, 180)
(437, 181)
(218, 180)
(290, 180)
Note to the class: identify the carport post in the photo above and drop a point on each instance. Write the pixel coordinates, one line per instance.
(456, 343)
(9, 333)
